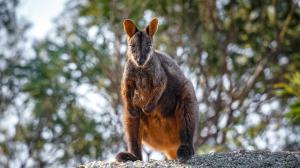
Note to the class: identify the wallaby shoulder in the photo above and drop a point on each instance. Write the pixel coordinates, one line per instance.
(170, 67)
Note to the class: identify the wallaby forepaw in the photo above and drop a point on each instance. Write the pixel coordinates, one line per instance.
(125, 156)
(184, 153)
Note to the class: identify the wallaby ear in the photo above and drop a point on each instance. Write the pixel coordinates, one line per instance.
(152, 27)
(129, 27)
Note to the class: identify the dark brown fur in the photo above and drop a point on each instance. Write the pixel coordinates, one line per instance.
(160, 103)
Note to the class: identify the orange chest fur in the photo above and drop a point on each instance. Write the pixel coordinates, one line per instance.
(160, 133)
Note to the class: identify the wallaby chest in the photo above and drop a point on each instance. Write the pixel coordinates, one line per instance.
(146, 80)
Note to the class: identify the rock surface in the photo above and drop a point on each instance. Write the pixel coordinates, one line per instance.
(239, 159)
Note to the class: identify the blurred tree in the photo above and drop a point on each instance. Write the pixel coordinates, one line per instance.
(41, 122)
(9, 48)
(11, 76)
(235, 51)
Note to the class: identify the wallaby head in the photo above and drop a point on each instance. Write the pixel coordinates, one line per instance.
(140, 43)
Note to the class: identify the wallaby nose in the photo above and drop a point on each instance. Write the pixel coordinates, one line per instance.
(141, 61)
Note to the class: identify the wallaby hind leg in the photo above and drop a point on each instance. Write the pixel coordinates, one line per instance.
(187, 119)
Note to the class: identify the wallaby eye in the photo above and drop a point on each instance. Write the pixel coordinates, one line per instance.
(132, 45)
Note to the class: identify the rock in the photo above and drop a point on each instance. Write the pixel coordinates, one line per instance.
(238, 159)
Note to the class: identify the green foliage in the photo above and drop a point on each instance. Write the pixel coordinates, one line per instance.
(291, 88)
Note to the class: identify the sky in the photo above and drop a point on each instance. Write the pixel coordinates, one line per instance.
(41, 14)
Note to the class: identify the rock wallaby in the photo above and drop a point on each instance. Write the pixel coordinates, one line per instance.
(160, 106)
